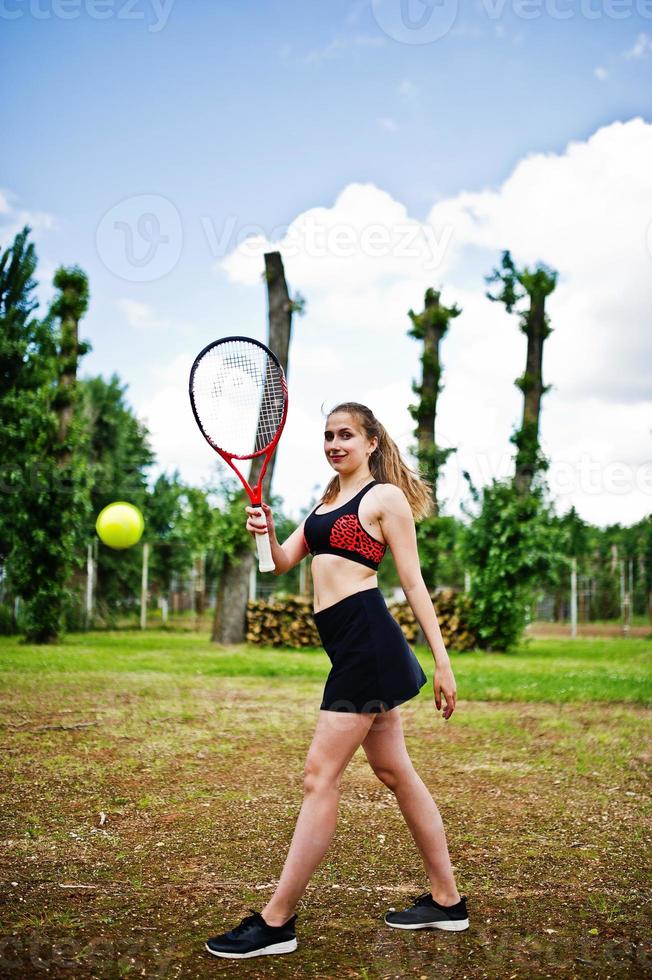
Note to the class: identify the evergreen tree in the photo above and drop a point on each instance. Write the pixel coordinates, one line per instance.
(47, 471)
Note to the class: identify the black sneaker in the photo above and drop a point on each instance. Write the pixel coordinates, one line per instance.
(426, 913)
(253, 937)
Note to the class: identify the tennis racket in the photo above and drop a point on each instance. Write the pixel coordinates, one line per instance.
(239, 398)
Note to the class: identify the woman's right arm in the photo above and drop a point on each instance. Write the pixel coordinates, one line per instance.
(284, 556)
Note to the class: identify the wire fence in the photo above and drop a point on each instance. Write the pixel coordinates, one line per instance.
(612, 600)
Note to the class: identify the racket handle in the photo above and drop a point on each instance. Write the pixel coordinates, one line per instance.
(264, 549)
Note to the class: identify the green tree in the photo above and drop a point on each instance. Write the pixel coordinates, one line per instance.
(27, 374)
(171, 554)
(508, 547)
(47, 471)
(119, 456)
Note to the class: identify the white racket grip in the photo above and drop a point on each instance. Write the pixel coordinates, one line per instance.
(264, 549)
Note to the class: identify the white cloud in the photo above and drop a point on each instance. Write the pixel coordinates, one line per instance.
(388, 124)
(175, 437)
(14, 219)
(139, 315)
(583, 212)
(365, 238)
(339, 44)
(407, 88)
(601, 73)
(355, 11)
(641, 48)
(587, 212)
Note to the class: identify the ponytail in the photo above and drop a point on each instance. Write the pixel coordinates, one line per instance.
(386, 464)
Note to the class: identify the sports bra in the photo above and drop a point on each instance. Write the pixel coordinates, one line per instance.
(339, 532)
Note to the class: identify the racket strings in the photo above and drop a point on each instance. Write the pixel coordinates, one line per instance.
(239, 393)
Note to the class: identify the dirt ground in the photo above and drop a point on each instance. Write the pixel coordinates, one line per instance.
(138, 821)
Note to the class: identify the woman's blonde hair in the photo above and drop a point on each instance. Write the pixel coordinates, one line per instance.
(386, 463)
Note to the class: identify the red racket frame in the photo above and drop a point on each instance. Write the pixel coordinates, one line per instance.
(256, 493)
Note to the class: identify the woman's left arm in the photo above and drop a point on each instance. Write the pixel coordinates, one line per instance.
(397, 524)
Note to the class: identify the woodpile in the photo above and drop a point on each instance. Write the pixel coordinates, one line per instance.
(288, 622)
(282, 622)
(453, 616)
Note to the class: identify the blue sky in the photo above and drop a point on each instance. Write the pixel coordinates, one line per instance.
(231, 119)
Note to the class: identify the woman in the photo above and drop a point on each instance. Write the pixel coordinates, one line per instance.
(371, 504)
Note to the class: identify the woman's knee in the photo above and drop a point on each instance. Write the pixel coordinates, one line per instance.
(393, 777)
(318, 777)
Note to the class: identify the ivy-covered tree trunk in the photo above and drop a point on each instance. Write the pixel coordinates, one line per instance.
(430, 326)
(229, 622)
(537, 285)
(70, 306)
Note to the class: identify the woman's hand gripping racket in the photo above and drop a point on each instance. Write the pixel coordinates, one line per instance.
(239, 398)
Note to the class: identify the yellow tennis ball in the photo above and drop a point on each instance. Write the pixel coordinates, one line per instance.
(120, 525)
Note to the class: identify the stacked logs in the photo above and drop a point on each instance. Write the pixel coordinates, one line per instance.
(287, 621)
(281, 622)
(453, 615)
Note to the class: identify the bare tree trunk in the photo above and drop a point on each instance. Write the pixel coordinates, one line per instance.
(229, 621)
(532, 388)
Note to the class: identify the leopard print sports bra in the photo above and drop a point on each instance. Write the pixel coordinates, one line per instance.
(339, 532)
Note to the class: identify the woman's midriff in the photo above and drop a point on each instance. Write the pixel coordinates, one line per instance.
(334, 578)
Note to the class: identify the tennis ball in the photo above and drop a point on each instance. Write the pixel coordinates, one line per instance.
(120, 525)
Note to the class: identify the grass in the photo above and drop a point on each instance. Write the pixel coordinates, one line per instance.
(584, 669)
(150, 786)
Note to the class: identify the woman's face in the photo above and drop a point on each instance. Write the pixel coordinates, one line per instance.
(345, 444)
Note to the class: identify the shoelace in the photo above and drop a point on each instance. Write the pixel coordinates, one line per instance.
(417, 899)
(247, 923)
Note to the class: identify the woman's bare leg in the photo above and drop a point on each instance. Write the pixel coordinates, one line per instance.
(385, 749)
(337, 736)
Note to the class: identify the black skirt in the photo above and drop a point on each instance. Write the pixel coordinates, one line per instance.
(372, 666)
